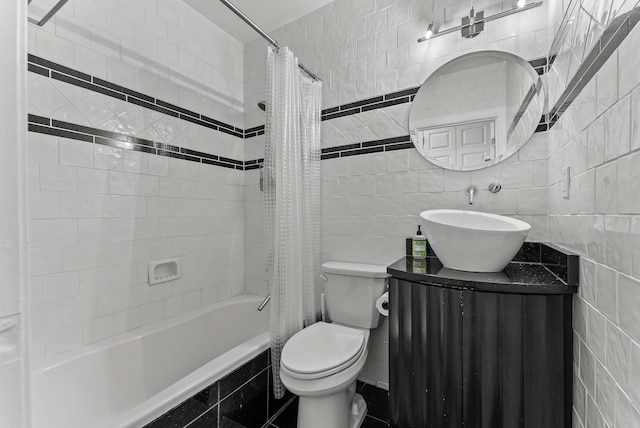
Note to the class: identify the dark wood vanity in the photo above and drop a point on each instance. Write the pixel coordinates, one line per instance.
(480, 350)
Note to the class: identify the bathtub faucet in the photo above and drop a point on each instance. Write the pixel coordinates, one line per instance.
(264, 302)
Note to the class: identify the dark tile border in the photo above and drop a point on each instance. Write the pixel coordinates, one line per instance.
(56, 71)
(245, 397)
(65, 74)
(374, 146)
(609, 41)
(541, 65)
(233, 398)
(44, 125)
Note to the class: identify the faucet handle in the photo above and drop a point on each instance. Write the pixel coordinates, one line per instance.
(495, 187)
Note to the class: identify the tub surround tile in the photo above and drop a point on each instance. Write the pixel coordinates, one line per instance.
(206, 420)
(247, 406)
(189, 410)
(250, 403)
(242, 375)
(240, 399)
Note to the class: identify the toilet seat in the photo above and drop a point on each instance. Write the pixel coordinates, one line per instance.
(321, 350)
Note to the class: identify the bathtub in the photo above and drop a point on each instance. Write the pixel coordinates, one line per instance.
(130, 380)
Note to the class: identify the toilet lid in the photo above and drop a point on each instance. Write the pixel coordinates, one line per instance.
(322, 349)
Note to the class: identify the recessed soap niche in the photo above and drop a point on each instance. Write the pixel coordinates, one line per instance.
(164, 270)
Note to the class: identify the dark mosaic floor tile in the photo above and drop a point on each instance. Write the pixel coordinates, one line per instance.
(248, 405)
(189, 410)
(370, 422)
(276, 404)
(289, 416)
(208, 420)
(234, 380)
(377, 401)
(229, 423)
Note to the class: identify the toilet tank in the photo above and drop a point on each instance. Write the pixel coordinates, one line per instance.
(351, 291)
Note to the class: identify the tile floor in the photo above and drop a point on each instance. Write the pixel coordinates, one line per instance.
(377, 409)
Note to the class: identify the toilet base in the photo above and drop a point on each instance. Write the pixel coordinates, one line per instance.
(334, 410)
(358, 411)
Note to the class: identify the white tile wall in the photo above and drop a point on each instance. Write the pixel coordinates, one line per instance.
(373, 201)
(89, 249)
(605, 234)
(584, 24)
(160, 48)
(99, 214)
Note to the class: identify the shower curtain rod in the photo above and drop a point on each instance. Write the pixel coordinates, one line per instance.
(267, 37)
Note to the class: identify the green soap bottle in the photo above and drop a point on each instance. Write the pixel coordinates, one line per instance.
(419, 245)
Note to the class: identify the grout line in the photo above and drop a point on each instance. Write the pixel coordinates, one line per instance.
(241, 386)
(377, 419)
(279, 412)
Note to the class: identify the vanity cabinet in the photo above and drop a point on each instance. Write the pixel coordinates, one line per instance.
(478, 350)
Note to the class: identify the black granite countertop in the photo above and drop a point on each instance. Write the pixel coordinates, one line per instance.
(538, 268)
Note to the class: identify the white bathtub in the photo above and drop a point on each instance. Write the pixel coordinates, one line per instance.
(132, 379)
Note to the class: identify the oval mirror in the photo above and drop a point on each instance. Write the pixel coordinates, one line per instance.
(476, 110)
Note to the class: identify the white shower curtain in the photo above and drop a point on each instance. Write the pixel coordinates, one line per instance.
(292, 199)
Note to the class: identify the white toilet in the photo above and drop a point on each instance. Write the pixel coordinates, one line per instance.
(320, 364)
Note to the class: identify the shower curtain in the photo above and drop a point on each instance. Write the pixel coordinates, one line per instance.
(292, 199)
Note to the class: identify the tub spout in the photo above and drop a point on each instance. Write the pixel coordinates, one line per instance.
(264, 302)
(472, 190)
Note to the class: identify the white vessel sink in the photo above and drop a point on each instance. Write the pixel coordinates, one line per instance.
(473, 241)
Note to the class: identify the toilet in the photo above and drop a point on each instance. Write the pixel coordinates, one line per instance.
(321, 363)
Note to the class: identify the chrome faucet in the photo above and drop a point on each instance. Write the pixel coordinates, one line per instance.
(264, 302)
(471, 190)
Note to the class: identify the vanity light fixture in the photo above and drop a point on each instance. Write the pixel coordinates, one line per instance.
(476, 18)
(473, 24)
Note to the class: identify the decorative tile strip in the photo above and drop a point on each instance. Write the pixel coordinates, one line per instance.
(44, 125)
(68, 75)
(541, 65)
(611, 38)
(56, 71)
(374, 146)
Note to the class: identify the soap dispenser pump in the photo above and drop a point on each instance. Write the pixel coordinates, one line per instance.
(419, 245)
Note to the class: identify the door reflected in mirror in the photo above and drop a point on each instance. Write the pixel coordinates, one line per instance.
(476, 110)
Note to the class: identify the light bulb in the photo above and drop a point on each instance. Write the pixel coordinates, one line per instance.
(521, 3)
(429, 32)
